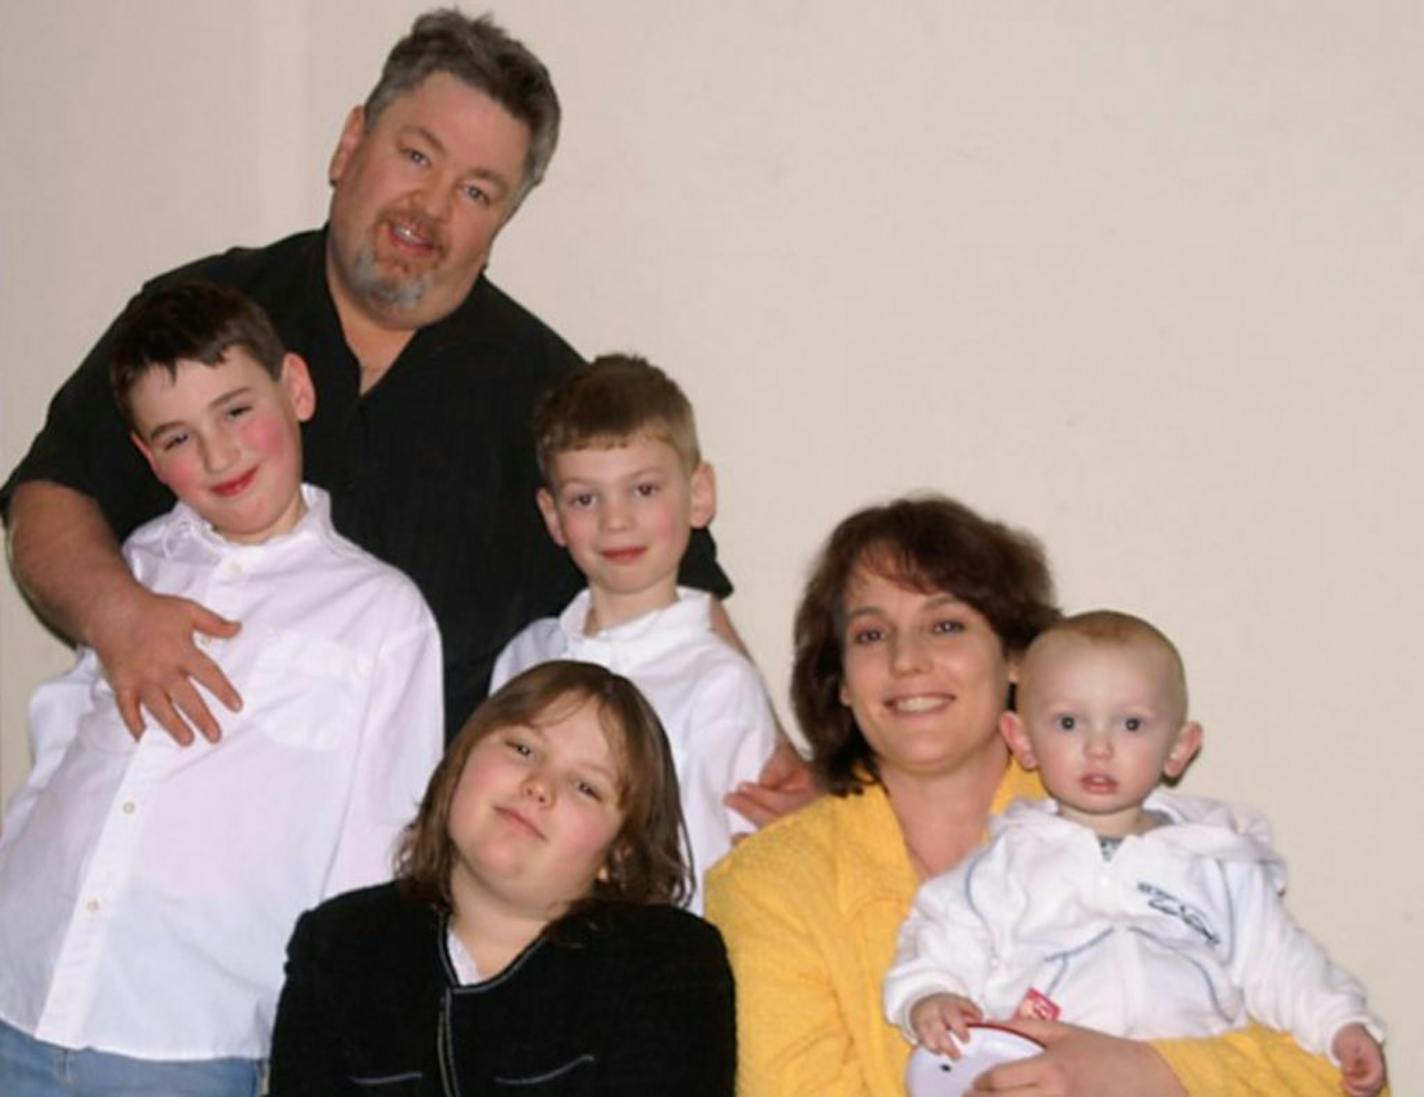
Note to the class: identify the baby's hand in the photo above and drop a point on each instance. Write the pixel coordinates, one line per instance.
(935, 1017)
(1361, 1061)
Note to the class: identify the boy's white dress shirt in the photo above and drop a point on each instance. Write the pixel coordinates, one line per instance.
(1181, 933)
(709, 697)
(147, 890)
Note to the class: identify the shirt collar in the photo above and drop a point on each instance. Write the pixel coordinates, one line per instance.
(643, 638)
(187, 531)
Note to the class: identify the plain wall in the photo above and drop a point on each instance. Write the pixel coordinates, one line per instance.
(1144, 278)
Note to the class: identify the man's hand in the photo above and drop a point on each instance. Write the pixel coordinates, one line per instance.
(145, 642)
(66, 560)
(784, 784)
(1079, 1062)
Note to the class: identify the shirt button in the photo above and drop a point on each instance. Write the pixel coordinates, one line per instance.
(92, 906)
(129, 807)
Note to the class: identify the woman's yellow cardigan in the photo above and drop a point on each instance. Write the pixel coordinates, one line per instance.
(810, 908)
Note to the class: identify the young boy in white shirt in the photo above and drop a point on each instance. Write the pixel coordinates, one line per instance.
(1117, 905)
(624, 487)
(147, 888)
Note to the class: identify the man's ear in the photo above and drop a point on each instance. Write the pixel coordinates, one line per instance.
(351, 134)
(703, 492)
(550, 511)
(1189, 741)
(297, 382)
(1016, 735)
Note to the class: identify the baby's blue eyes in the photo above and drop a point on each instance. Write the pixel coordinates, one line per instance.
(1070, 723)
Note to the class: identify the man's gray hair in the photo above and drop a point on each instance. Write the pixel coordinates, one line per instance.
(480, 53)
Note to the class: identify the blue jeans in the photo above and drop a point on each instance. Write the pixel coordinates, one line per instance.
(33, 1068)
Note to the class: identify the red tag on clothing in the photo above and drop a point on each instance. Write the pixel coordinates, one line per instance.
(1038, 1005)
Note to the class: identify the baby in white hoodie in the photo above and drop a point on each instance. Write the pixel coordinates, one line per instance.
(1117, 905)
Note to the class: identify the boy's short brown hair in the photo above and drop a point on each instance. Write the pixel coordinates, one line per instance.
(190, 321)
(605, 403)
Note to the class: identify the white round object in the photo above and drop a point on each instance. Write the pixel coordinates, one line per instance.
(933, 1075)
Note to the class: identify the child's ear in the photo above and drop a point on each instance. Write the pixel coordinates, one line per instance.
(1016, 735)
(1189, 741)
(618, 851)
(297, 383)
(550, 511)
(144, 449)
(703, 495)
(351, 134)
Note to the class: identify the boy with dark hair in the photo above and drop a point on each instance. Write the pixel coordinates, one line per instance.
(147, 889)
(624, 487)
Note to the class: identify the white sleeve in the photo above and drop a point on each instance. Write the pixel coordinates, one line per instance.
(538, 642)
(945, 945)
(730, 733)
(504, 668)
(745, 740)
(1288, 980)
(402, 738)
(57, 707)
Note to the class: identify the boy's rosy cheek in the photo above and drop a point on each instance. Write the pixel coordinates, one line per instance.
(268, 435)
(181, 474)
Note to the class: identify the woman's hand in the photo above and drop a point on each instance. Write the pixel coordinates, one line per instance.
(1079, 1062)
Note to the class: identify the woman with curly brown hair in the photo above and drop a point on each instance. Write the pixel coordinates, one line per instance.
(907, 643)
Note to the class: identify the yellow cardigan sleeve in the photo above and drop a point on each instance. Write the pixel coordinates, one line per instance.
(1250, 1061)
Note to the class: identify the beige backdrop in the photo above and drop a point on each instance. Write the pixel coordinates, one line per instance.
(1146, 278)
